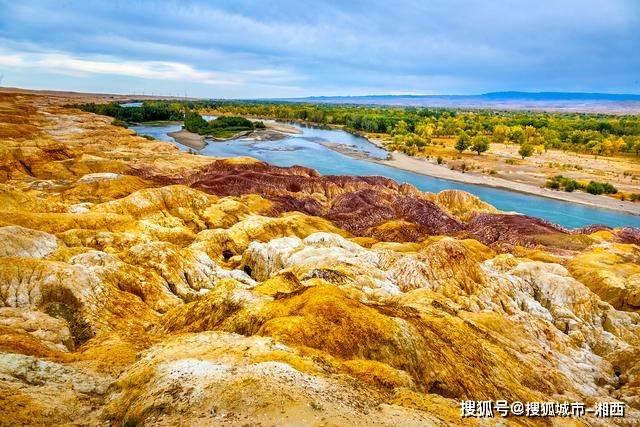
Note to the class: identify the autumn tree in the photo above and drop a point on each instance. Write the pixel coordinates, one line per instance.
(499, 134)
(401, 128)
(516, 134)
(612, 145)
(425, 130)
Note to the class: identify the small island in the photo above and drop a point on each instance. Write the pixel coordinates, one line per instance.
(225, 127)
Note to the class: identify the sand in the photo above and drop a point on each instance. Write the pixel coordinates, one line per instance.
(273, 132)
(426, 167)
(283, 127)
(189, 139)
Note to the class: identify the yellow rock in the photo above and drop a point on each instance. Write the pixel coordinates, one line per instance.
(127, 301)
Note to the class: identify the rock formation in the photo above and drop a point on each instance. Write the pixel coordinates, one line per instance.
(144, 286)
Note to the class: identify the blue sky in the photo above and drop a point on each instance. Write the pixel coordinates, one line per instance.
(266, 48)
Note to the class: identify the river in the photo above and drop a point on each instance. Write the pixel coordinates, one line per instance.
(307, 149)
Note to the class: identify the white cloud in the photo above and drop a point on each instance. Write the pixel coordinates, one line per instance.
(66, 64)
(11, 61)
(161, 70)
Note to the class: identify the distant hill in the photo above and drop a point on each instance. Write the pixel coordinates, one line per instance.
(560, 96)
(611, 103)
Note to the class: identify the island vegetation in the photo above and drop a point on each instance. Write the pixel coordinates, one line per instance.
(221, 127)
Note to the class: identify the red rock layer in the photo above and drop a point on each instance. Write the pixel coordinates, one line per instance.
(361, 205)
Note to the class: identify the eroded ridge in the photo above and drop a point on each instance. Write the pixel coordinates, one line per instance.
(142, 285)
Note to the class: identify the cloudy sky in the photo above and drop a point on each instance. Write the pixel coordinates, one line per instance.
(287, 48)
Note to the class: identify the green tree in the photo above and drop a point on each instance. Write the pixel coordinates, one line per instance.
(463, 142)
(526, 150)
(479, 144)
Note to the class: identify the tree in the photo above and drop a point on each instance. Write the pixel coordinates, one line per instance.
(463, 142)
(425, 130)
(516, 134)
(529, 132)
(595, 147)
(401, 128)
(499, 134)
(479, 144)
(526, 150)
(571, 185)
(612, 145)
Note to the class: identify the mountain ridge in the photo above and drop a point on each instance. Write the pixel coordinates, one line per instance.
(576, 102)
(500, 95)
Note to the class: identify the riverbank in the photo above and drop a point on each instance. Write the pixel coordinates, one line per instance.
(425, 167)
(273, 132)
(401, 162)
(188, 139)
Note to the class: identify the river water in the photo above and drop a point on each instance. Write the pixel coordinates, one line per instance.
(307, 149)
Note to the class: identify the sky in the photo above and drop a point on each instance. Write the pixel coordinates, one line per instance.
(266, 49)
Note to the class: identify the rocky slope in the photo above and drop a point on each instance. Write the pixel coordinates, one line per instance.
(144, 286)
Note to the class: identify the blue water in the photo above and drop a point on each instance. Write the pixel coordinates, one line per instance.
(306, 150)
(159, 130)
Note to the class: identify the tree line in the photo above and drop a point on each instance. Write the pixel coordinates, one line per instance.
(416, 127)
(413, 128)
(149, 111)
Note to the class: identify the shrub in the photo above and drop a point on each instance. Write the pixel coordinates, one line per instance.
(571, 185)
(595, 187)
(553, 184)
(560, 182)
(609, 189)
(439, 160)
